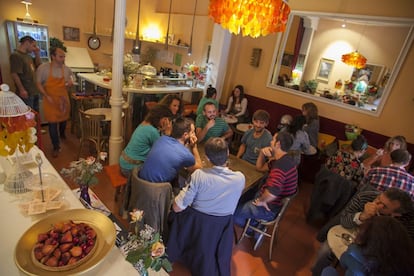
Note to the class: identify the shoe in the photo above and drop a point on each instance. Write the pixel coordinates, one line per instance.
(55, 152)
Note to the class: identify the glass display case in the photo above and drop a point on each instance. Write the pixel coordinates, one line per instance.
(17, 30)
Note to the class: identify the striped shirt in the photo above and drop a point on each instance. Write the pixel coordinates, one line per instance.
(218, 130)
(382, 178)
(356, 205)
(282, 180)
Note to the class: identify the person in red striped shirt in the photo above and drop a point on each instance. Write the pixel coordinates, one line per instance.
(281, 182)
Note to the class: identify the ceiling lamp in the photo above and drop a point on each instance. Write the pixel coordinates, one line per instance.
(27, 18)
(252, 17)
(354, 59)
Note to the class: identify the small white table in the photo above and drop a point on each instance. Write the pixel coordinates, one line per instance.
(335, 241)
(244, 127)
(230, 119)
(101, 111)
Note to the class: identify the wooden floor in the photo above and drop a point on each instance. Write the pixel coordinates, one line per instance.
(296, 246)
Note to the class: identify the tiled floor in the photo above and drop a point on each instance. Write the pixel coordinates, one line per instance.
(296, 245)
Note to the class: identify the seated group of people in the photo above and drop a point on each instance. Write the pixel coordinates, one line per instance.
(164, 143)
(162, 146)
(381, 211)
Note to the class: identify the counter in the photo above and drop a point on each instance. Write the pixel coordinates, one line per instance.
(136, 97)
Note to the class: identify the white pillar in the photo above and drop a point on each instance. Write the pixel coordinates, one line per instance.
(116, 141)
(219, 53)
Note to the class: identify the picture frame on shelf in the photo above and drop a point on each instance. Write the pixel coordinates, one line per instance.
(71, 33)
(325, 69)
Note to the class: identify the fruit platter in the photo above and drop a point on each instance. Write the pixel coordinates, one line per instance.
(68, 242)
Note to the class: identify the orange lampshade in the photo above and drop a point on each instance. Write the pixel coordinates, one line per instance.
(252, 17)
(354, 59)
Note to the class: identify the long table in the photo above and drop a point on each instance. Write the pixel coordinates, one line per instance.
(251, 175)
(14, 224)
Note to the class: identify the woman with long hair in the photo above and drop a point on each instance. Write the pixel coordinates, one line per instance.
(301, 143)
(382, 157)
(310, 111)
(237, 104)
(382, 247)
(174, 103)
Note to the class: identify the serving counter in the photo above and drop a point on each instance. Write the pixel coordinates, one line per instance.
(135, 97)
(14, 225)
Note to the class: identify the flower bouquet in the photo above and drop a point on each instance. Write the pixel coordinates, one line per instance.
(144, 248)
(82, 172)
(130, 68)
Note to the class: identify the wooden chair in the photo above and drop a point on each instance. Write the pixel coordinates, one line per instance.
(264, 226)
(91, 130)
(89, 103)
(117, 179)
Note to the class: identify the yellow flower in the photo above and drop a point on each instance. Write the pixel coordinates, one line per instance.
(157, 249)
(136, 215)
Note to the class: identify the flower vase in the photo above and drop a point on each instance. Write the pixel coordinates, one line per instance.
(84, 194)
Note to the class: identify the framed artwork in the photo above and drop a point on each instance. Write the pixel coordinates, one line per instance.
(71, 33)
(287, 59)
(325, 69)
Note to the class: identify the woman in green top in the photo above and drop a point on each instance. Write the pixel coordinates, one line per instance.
(210, 97)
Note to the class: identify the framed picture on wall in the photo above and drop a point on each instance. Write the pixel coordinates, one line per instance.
(325, 69)
(287, 59)
(71, 33)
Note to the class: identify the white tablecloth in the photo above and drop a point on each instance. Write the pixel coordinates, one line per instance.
(14, 224)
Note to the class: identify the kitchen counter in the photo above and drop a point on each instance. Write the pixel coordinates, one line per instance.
(136, 98)
(98, 80)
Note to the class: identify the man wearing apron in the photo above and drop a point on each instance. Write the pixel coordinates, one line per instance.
(53, 81)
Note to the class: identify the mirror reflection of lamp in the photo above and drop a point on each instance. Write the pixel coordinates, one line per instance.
(17, 134)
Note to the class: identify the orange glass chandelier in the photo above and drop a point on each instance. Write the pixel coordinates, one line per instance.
(354, 59)
(250, 17)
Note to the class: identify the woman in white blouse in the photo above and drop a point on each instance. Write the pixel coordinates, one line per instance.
(237, 104)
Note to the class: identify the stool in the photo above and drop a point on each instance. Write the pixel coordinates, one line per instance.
(116, 178)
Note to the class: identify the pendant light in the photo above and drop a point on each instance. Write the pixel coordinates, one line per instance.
(355, 59)
(190, 49)
(136, 49)
(168, 27)
(250, 17)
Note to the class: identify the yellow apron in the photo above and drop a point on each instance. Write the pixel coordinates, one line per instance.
(57, 110)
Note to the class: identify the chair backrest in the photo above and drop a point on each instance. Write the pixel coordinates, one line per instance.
(92, 103)
(91, 126)
(285, 203)
(153, 198)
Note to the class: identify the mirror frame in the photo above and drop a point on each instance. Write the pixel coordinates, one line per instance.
(393, 71)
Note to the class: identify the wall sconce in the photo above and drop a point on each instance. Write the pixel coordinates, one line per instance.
(27, 17)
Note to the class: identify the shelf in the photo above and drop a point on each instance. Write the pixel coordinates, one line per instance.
(145, 41)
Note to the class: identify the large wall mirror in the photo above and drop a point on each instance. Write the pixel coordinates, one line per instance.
(308, 58)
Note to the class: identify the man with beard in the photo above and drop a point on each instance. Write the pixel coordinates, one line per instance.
(256, 138)
(170, 154)
(209, 125)
(22, 71)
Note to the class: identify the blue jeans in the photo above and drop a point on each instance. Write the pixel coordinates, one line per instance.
(54, 133)
(247, 210)
(32, 101)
